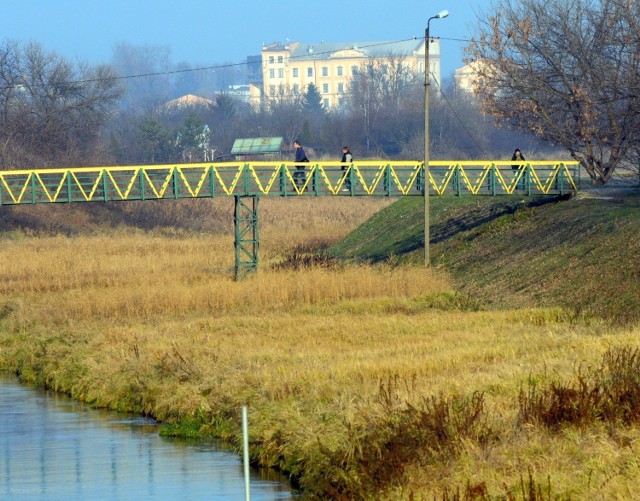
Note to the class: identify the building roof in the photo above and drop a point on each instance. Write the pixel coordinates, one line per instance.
(368, 49)
(326, 50)
(188, 100)
(256, 145)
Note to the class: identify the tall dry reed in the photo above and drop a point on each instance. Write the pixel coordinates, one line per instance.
(338, 365)
(142, 276)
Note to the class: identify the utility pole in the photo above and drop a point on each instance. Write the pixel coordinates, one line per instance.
(427, 182)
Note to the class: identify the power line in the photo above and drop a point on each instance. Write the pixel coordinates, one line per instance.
(205, 68)
(456, 39)
(246, 63)
(455, 114)
(228, 65)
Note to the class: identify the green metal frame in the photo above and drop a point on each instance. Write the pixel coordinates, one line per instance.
(247, 181)
(246, 244)
(369, 178)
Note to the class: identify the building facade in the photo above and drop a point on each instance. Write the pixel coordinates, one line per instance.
(289, 69)
(468, 77)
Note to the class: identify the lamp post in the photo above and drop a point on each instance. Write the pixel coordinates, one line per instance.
(427, 257)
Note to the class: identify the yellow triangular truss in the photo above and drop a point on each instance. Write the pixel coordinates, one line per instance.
(370, 178)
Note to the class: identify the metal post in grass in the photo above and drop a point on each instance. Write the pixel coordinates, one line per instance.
(246, 242)
(245, 450)
(492, 179)
(426, 184)
(33, 188)
(69, 185)
(105, 188)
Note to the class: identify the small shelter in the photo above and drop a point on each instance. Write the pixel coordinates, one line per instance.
(265, 147)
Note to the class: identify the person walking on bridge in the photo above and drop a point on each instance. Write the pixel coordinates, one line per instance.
(517, 156)
(300, 160)
(347, 158)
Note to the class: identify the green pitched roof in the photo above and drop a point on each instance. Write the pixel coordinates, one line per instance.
(256, 145)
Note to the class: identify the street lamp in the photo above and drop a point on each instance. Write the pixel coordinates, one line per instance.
(427, 258)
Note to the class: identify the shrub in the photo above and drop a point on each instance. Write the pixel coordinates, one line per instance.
(608, 393)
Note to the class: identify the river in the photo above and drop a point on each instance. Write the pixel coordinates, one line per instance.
(54, 448)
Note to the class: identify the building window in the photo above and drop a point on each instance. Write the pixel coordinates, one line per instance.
(340, 87)
(325, 71)
(325, 103)
(295, 72)
(272, 90)
(296, 89)
(280, 59)
(270, 59)
(339, 71)
(280, 73)
(309, 72)
(354, 71)
(272, 73)
(385, 69)
(325, 88)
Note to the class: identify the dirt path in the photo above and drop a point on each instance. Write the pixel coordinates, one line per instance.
(610, 192)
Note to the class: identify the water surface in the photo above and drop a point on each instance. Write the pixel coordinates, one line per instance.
(53, 448)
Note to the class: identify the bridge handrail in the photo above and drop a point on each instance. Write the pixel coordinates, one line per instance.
(337, 163)
(283, 178)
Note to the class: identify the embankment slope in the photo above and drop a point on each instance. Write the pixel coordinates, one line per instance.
(581, 253)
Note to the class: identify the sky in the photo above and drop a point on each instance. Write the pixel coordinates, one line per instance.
(210, 32)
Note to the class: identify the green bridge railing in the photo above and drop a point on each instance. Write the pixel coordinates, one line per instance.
(248, 181)
(369, 178)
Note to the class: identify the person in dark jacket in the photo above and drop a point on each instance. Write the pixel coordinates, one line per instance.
(347, 158)
(300, 159)
(517, 156)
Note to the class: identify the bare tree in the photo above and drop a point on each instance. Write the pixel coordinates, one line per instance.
(52, 112)
(145, 72)
(568, 70)
(284, 115)
(365, 99)
(225, 121)
(384, 97)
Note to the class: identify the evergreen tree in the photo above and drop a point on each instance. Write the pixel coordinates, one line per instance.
(189, 136)
(153, 140)
(306, 136)
(312, 102)
(225, 108)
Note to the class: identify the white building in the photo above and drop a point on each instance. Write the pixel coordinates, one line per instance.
(290, 68)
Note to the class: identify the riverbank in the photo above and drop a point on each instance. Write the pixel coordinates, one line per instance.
(363, 381)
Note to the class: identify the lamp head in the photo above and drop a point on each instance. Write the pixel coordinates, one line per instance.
(442, 14)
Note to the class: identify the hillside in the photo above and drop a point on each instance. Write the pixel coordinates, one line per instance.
(581, 253)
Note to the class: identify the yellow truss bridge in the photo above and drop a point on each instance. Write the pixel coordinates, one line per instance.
(248, 179)
(247, 182)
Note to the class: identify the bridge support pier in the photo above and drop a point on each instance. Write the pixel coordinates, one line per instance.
(245, 219)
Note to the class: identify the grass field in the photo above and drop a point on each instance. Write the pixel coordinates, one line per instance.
(371, 378)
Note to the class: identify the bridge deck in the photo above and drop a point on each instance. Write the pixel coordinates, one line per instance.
(283, 179)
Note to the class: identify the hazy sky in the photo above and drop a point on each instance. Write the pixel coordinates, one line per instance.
(202, 32)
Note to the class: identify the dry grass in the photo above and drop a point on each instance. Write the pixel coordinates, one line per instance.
(286, 223)
(137, 277)
(346, 370)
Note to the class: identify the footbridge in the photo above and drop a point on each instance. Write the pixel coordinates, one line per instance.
(247, 182)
